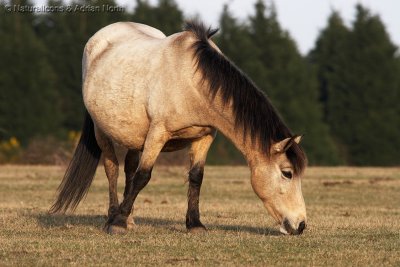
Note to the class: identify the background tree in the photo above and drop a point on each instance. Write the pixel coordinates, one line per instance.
(330, 55)
(29, 103)
(358, 73)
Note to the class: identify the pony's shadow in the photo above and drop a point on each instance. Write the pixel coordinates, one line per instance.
(66, 220)
(171, 224)
(47, 220)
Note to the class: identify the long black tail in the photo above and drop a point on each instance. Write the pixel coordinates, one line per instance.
(80, 172)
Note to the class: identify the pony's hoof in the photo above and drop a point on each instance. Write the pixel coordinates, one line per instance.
(197, 230)
(130, 223)
(115, 230)
(116, 225)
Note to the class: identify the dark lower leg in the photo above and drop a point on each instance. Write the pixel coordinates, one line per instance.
(195, 181)
(131, 164)
(140, 180)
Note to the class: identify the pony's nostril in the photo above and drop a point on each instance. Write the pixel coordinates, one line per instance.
(287, 226)
(293, 231)
(301, 228)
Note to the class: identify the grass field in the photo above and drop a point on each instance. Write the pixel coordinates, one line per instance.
(353, 220)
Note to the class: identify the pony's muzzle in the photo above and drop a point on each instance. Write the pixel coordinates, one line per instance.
(288, 229)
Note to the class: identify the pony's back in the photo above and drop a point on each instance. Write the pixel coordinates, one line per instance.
(112, 34)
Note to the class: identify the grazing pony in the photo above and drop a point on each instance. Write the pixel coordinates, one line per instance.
(151, 93)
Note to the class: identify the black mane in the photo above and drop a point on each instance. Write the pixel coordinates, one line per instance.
(252, 109)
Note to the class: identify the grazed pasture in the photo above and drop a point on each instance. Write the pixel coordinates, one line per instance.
(353, 220)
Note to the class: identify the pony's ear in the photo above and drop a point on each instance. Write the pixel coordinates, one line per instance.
(281, 145)
(297, 138)
(285, 144)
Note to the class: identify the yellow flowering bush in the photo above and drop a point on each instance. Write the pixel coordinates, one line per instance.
(39, 150)
(10, 150)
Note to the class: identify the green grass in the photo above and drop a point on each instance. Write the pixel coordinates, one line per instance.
(353, 220)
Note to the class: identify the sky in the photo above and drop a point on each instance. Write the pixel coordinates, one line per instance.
(303, 19)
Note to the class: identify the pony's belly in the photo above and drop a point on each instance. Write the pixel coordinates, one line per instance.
(176, 144)
(192, 132)
(183, 138)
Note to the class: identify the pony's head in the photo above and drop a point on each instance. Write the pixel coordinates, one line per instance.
(277, 183)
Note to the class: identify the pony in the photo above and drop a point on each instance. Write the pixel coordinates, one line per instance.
(150, 93)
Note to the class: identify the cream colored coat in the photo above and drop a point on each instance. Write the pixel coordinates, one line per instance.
(143, 92)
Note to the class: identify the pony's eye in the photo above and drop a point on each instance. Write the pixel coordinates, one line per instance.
(287, 174)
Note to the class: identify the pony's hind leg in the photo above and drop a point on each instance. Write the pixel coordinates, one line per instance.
(198, 153)
(111, 168)
(155, 141)
(131, 164)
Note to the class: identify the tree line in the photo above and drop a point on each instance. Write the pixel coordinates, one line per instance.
(343, 95)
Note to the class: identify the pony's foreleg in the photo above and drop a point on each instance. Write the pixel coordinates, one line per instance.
(111, 169)
(198, 153)
(155, 141)
(131, 164)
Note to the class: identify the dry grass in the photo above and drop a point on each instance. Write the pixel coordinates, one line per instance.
(353, 218)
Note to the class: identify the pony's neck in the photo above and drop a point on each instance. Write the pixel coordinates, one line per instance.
(224, 121)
